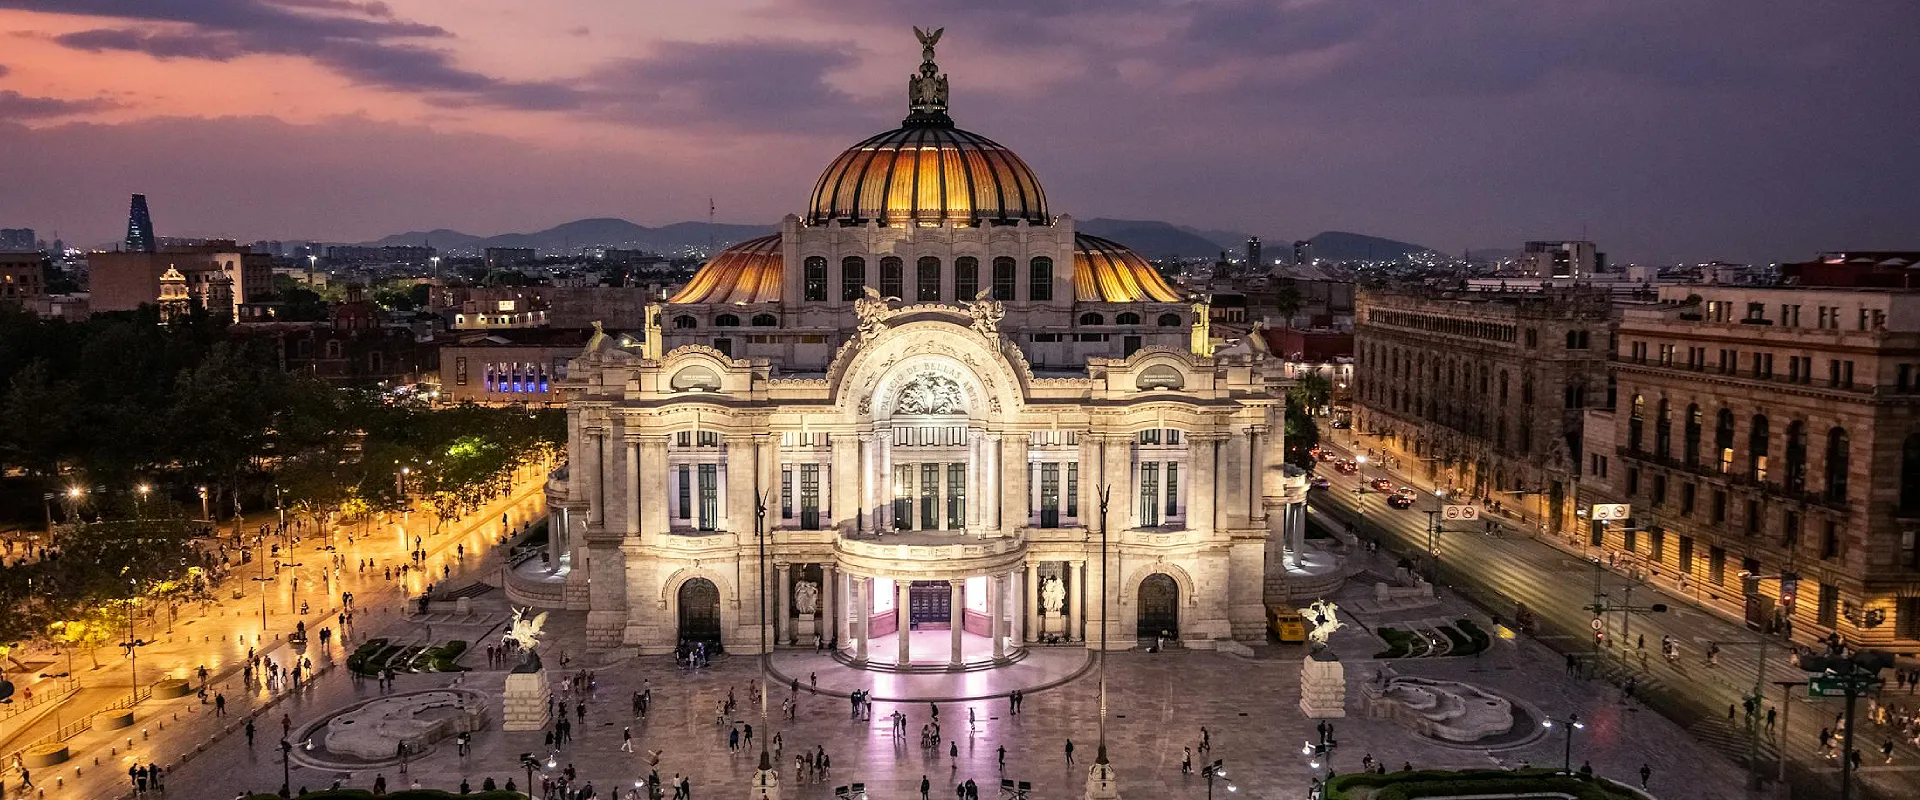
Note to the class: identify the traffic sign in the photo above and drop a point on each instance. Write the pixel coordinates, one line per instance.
(1612, 511)
(1836, 685)
(1465, 513)
(1597, 624)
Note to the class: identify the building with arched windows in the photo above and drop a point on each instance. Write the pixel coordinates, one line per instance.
(926, 399)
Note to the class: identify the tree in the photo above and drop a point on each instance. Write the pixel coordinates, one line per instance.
(1301, 437)
(88, 632)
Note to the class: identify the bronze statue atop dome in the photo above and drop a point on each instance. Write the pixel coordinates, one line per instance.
(927, 91)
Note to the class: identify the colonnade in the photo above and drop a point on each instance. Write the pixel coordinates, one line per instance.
(856, 628)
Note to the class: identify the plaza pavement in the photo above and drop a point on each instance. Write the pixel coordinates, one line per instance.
(1158, 704)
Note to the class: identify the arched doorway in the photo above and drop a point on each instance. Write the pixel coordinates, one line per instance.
(700, 612)
(1159, 607)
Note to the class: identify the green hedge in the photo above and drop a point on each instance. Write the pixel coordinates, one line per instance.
(363, 656)
(1443, 783)
(1399, 643)
(441, 658)
(404, 794)
(1481, 640)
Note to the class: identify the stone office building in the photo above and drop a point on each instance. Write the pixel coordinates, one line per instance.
(1763, 432)
(930, 477)
(1483, 391)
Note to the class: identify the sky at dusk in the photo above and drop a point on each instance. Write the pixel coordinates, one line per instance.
(1665, 129)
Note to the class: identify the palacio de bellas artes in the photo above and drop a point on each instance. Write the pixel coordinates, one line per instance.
(919, 409)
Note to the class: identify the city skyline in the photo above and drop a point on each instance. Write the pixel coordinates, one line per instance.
(1669, 132)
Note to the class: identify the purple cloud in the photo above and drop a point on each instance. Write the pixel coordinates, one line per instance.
(14, 105)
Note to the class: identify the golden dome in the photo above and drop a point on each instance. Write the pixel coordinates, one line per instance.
(748, 272)
(1105, 271)
(928, 173)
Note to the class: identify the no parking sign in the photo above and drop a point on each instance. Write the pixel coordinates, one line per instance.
(1462, 513)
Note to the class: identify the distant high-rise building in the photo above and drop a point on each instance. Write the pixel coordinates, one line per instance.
(1570, 259)
(1253, 255)
(18, 239)
(1303, 251)
(139, 226)
(499, 257)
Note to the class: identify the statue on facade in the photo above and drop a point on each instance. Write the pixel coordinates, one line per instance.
(1053, 596)
(986, 313)
(806, 597)
(927, 91)
(930, 394)
(872, 312)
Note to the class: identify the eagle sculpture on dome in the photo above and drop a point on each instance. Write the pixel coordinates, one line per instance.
(927, 91)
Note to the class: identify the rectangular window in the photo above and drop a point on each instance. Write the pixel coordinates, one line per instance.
(1906, 618)
(1658, 540)
(926, 274)
(709, 497)
(956, 496)
(1003, 278)
(1846, 374)
(1830, 540)
(1753, 517)
(1173, 489)
(1050, 493)
(1716, 566)
(685, 508)
(460, 371)
(810, 497)
(929, 497)
(786, 492)
(1149, 495)
(1903, 382)
(966, 278)
(814, 279)
(1596, 533)
(1659, 490)
(1630, 537)
(1719, 506)
(1686, 555)
(1073, 489)
(1633, 481)
(853, 278)
(892, 281)
(903, 496)
(1829, 605)
(1686, 498)
(1040, 279)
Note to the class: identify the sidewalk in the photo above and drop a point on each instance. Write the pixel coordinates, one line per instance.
(232, 626)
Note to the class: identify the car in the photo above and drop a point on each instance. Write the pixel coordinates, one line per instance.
(1322, 455)
(1320, 482)
(1346, 467)
(1341, 424)
(1382, 484)
(1399, 501)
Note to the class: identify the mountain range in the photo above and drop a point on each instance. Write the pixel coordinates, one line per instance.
(1150, 238)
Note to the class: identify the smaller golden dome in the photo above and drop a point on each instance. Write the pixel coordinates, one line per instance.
(748, 272)
(1106, 271)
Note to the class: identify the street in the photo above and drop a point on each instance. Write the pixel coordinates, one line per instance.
(1509, 567)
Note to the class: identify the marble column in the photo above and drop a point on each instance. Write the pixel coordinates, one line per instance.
(766, 483)
(595, 468)
(996, 515)
(843, 493)
(631, 525)
(829, 604)
(957, 617)
(903, 597)
(1200, 487)
(1256, 472)
(860, 594)
(1076, 603)
(1090, 464)
(782, 589)
(997, 606)
(869, 516)
(1014, 472)
(1116, 471)
(883, 480)
(1033, 603)
(975, 486)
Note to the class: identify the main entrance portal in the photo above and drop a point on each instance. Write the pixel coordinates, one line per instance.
(931, 605)
(1159, 607)
(700, 612)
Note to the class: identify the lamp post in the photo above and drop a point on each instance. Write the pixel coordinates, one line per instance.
(760, 538)
(527, 760)
(1217, 769)
(1360, 472)
(1569, 725)
(1100, 756)
(140, 508)
(133, 643)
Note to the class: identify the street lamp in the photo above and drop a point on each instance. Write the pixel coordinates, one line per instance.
(1100, 756)
(1360, 471)
(286, 768)
(141, 510)
(206, 512)
(1570, 724)
(1217, 769)
(133, 642)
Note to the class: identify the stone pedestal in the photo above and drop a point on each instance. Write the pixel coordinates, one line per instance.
(1053, 623)
(1102, 783)
(463, 606)
(804, 628)
(1323, 687)
(766, 781)
(526, 701)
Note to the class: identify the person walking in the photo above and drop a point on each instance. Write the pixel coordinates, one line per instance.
(1186, 761)
(626, 740)
(1003, 758)
(1069, 752)
(1646, 774)
(925, 787)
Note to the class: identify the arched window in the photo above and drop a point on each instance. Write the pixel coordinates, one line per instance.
(1910, 476)
(1503, 387)
(1723, 439)
(1839, 458)
(814, 279)
(966, 278)
(1091, 318)
(1003, 278)
(1663, 430)
(1796, 478)
(926, 276)
(892, 281)
(1690, 448)
(1172, 321)
(683, 321)
(853, 278)
(765, 320)
(1040, 279)
(1636, 418)
(722, 321)
(1126, 318)
(1757, 449)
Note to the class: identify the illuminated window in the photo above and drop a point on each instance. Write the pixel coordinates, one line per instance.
(926, 273)
(1040, 279)
(853, 277)
(1003, 278)
(814, 279)
(966, 278)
